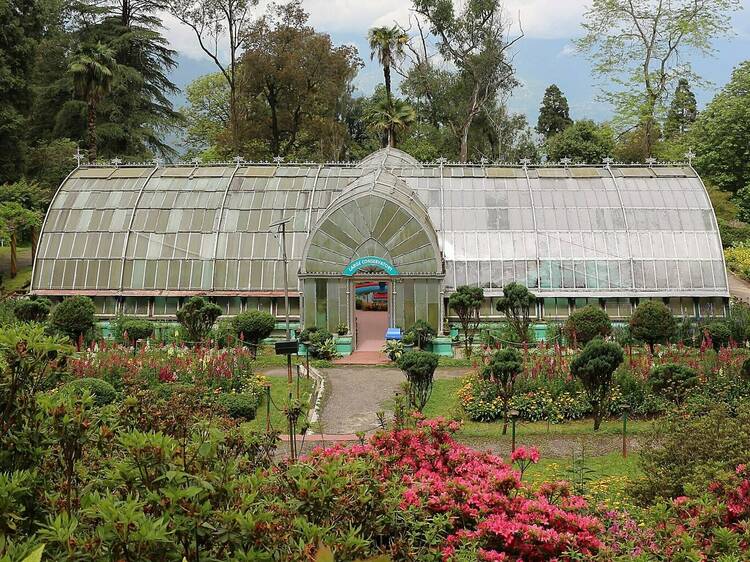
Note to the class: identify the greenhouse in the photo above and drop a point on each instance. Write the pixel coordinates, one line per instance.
(140, 239)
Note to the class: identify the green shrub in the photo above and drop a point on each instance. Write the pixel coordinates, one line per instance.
(34, 309)
(733, 232)
(74, 317)
(223, 333)
(130, 330)
(587, 323)
(503, 368)
(745, 370)
(594, 367)
(198, 316)
(419, 368)
(672, 381)
(519, 305)
(720, 334)
(691, 448)
(102, 392)
(253, 326)
(320, 342)
(422, 333)
(238, 406)
(652, 322)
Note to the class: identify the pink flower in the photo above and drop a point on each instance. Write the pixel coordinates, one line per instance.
(523, 454)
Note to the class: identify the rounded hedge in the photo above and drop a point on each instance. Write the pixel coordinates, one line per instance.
(136, 329)
(720, 334)
(102, 392)
(587, 323)
(672, 381)
(238, 406)
(418, 364)
(32, 310)
(652, 322)
(74, 316)
(254, 325)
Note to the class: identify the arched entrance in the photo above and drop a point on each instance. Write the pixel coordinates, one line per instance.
(376, 231)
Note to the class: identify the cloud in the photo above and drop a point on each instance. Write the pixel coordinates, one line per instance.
(569, 50)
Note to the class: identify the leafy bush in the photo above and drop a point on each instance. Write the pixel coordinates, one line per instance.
(342, 329)
(74, 317)
(594, 367)
(422, 333)
(197, 316)
(738, 259)
(419, 368)
(587, 323)
(394, 349)
(672, 381)
(102, 392)
(652, 322)
(518, 304)
(691, 447)
(239, 406)
(254, 326)
(34, 309)
(466, 302)
(502, 369)
(130, 330)
(320, 342)
(733, 233)
(720, 334)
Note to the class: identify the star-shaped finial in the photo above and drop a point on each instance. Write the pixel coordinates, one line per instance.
(525, 162)
(79, 156)
(690, 155)
(608, 161)
(278, 160)
(116, 162)
(196, 161)
(442, 160)
(483, 161)
(565, 161)
(158, 162)
(651, 161)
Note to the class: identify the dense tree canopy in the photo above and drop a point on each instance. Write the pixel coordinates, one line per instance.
(583, 142)
(554, 114)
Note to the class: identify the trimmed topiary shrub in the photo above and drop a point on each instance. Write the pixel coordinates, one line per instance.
(102, 392)
(419, 368)
(504, 366)
(74, 317)
(197, 316)
(238, 406)
(720, 334)
(652, 322)
(672, 381)
(253, 326)
(132, 330)
(34, 309)
(594, 367)
(422, 333)
(587, 323)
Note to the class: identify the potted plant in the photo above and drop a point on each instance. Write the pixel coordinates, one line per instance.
(342, 329)
(408, 341)
(393, 349)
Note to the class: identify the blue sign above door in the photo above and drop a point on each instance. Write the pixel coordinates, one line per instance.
(370, 261)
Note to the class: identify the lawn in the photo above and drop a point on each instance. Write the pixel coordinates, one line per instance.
(279, 395)
(24, 269)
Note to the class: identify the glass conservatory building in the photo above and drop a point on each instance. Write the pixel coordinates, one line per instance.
(140, 239)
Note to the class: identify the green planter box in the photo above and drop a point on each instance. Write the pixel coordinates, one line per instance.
(442, 346)
(343, 345)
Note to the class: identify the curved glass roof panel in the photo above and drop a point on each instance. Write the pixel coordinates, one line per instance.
(589, 231)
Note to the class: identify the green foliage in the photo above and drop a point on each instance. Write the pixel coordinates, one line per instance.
(672, 381)
(129, 330)
(74, 317)
(34, 309)
(745, 370)
(587, 323)
(721, 134)
(652, 322)
(198, 316)
(466, 303)
(517, 303)
(720, 333)
(503, 368)
(394, 349)
(554, 114)
(692, 447)
(742, 199)
(254, 326)
(683, 111)
(583, 142)
(594, 367)
(320, 342)
(239, 406)
(101, 391)
(422, 333)
(419, 368)
(733, 233)
(342, 328)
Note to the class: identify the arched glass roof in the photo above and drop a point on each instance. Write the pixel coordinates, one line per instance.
(376, 215)
(389, 158)
(588, 231)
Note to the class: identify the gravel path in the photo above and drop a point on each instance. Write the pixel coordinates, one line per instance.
(356, 394)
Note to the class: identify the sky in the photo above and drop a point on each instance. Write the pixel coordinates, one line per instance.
(545, 54)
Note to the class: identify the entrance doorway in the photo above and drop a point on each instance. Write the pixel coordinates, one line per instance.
(371, 299)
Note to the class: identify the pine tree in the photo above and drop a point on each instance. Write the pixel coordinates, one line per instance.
(554, 114)
(682, 112)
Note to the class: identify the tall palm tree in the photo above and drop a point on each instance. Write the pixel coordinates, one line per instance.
(387, 43)
(92, 70)
(388, 119)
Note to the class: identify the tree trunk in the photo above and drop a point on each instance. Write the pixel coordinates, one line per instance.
(464, 154)
(597, 416)
(92, 131)
(34, 242)
(13, 262)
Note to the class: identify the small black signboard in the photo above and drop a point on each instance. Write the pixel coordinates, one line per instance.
(287, 347)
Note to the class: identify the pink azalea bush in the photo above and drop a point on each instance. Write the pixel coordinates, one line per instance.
(493, 515)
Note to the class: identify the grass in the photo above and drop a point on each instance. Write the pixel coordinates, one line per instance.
(24, 271)
(279, 396)
(267, 358)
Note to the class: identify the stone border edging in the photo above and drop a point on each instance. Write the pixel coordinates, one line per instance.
(316, 398)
